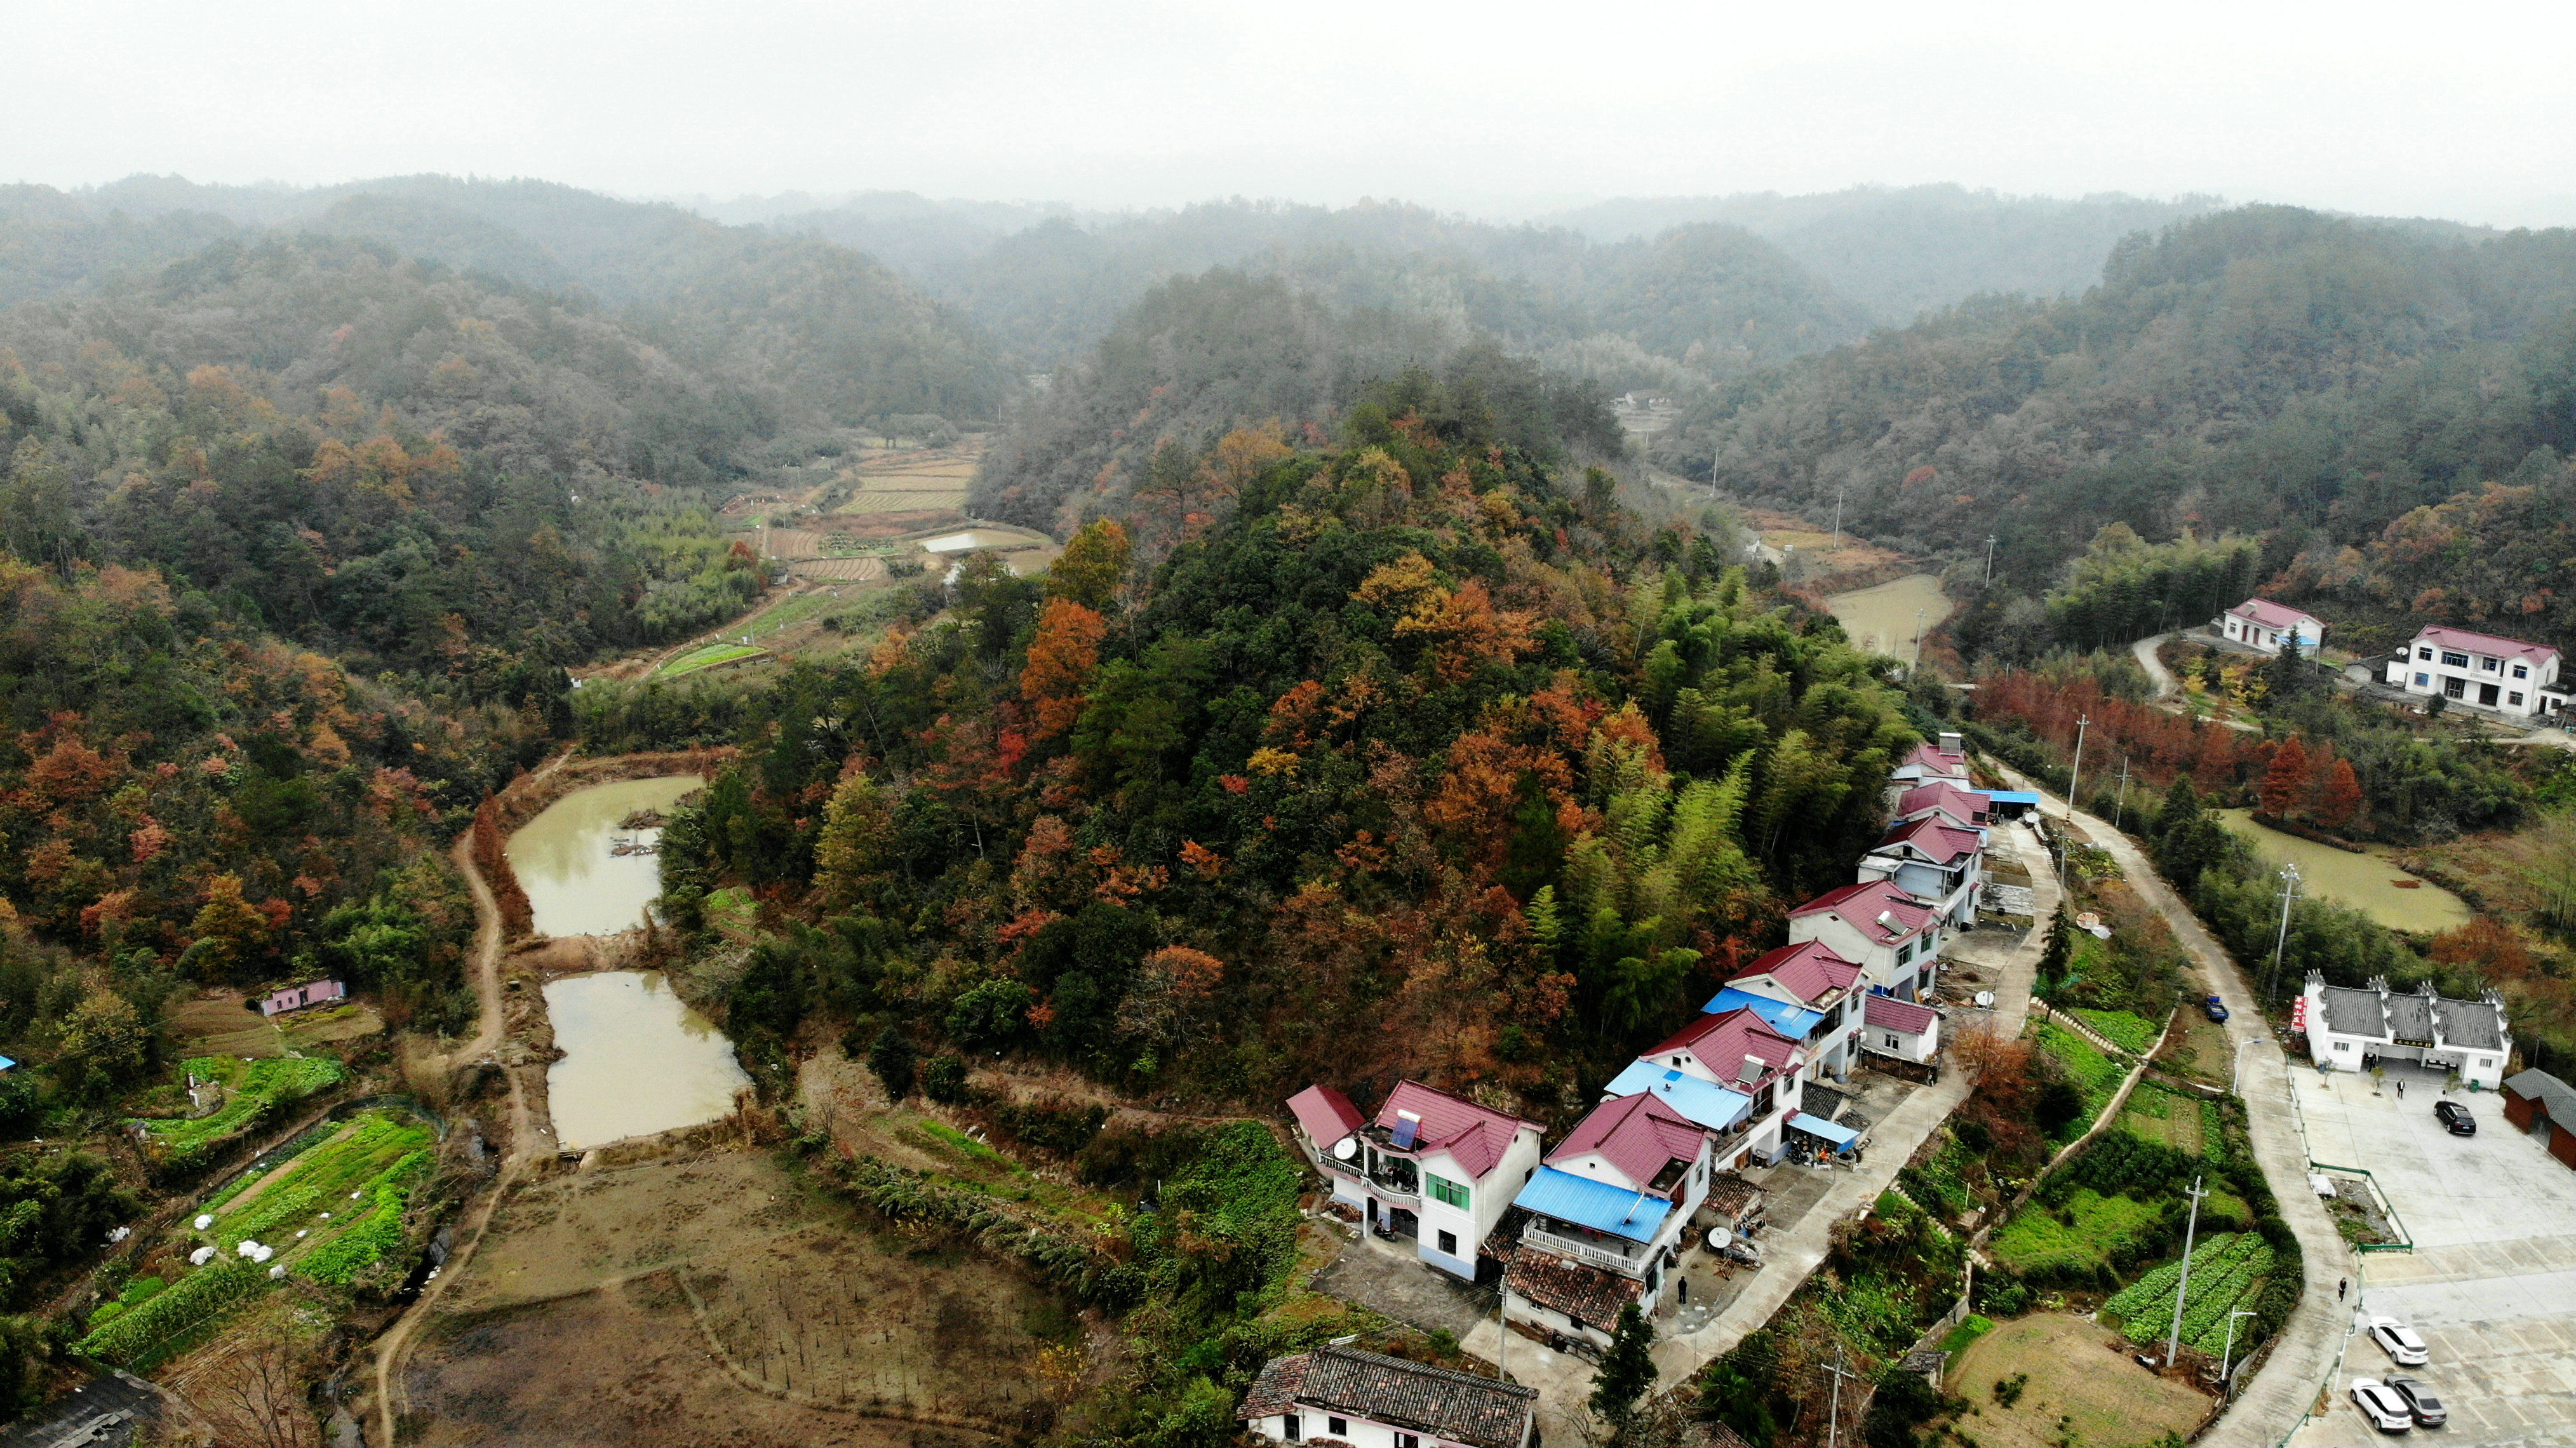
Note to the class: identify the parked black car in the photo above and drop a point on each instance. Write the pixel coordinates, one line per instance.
(2455, 1116)
(2217, 1008)
(2419, 1401)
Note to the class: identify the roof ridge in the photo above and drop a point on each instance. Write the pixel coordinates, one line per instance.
(1429, 1370)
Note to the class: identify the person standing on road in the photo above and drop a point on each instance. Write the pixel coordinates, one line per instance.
(2340, 1284)
(2401, 1090)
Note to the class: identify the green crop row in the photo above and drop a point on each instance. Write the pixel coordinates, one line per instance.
(283, 1078)
(2131, 1033)
(2158, 1285)
(339, 1260)
(196, 1299)
(2094, 1074)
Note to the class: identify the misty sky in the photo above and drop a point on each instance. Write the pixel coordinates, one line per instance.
(2458, 110)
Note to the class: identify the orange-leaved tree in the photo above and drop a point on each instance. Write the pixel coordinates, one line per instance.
(1061, 660)
(2285, 784)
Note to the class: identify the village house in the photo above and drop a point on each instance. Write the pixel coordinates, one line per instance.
(2353, 1029)
(1738, 1051)
(1932, 859)
(1906, 1030)
(1807, 993)
(1942, 762)
(297, 997)
(1433, 1167)
(1368, 1400)
(2505, 675)
(1894, 938)
(1966, 809)
(2539, 1103)
(2259, 623)
(1606, 1215)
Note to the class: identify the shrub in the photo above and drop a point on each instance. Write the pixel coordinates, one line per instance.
(944, 1080)
(197, 1299)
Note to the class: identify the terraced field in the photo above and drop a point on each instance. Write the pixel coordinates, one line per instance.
(911, 482)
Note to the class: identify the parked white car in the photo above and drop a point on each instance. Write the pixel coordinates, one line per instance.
(2380, 1404)
(2399, 1341)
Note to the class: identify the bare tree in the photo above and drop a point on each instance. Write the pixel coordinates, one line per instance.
(256, 1397)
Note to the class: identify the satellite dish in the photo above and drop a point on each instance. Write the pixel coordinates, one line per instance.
(1985, 998)
(1346, 1148)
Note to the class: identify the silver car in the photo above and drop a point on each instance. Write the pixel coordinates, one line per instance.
(2380, 1404)
(2427, 1409)
(2399, 1341)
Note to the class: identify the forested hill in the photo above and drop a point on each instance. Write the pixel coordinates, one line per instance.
(1900, 252)
(811, 331)
(2267, 370)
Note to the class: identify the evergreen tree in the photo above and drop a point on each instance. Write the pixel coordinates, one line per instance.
(892, 1058)
(2060, 947)
(1627, 1369)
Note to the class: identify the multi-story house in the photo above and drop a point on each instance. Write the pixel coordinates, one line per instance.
(1894, 938)
(1943, 761)
(1967, 809)
(1738, 1051)
(1431, 1166)
(1805, 992)
(1932, 859)
(2353, 1029)
(2482, 670)
(1606, 1213)
(1345, 1395)
(2259, 623)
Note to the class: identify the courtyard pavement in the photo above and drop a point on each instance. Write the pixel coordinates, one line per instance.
(2491, 1283)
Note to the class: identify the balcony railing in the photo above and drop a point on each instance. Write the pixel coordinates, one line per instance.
(1394, 1196)
(1630, 1262)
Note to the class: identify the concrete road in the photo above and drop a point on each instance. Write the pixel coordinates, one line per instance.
(2491, 1283)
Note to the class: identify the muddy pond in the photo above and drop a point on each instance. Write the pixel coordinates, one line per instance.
(1881, 620)
(2366, 882)
(566, 858)
(636, 1059)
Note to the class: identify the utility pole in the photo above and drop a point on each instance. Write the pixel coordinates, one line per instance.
(1918, 638)
(1834, 1414)
(2067, 845)
(2289, 888)
(1838, 517)
(2120, 814)
(2173, 1341)
(2227, 1389)
(1990, 560)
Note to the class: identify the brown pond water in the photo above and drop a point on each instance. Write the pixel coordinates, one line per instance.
(2368, 882)
(636, 1059)
(1881, 620)
(575, 886)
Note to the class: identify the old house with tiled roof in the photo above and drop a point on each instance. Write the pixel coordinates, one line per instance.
(1430, 1166)
(1370, 1400)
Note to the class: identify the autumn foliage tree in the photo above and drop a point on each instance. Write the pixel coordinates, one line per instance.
(1060, 663)
(2285, 780)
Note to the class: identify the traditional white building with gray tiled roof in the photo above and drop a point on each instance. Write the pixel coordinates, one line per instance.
(2354, 1028)
(1370, 1401)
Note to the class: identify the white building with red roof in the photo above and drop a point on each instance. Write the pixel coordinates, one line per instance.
(1431, 1166)
(1969, 809)
(1606, 1215)
(1932, 859)
(1806, 991)
(1740, 1051)
(1907, 1030)
(1893, 937)
(2482, 671)
(1944, 761)
(2261, 624)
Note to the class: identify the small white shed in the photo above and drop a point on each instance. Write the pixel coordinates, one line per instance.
(1907, 1030)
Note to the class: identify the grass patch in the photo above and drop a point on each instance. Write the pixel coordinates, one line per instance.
(2130, 1032)
(1969, 1330)
(707, 658)
(2185, 1123)
(2090, 1233)
(256, 1086)
(2094, 1074)
(940, 1134)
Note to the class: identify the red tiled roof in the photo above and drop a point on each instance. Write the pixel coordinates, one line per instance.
(1807, 970)
(1943, 843)
(1327, 1114)
(2488, 644)
(1863, 903)
(1636, 1134)
(2273, 615)
(1588, 1294)
(1889, 1013)
(1963, 804)
(1476, 1135)
(1723, 1041)
(1931, 757)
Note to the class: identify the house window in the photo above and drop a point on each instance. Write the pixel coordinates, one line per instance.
(1891, 1040)
(1905, 952)
(2423, 681)
(1338, 1427)
(1290, 1428)
(2522, 671)
(1441, 1189)
(1407, 1440)
(2424, 654)
(2515, 698)
(2343, 1048)
(2489, 665)
(1449, 1244)
(2456, 661)
(2455, 688)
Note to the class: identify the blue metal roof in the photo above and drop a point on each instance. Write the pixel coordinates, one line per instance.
(1598, 1205)
(1702, 1103)
(2011, 796)
(1841, 1136)
(1791, 1021)
(6, 1063)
